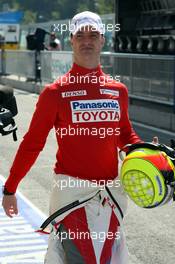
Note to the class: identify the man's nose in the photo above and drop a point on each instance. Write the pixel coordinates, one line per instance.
(87, 40)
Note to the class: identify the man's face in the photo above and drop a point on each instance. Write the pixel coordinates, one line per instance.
(52, 36)
(87, 42)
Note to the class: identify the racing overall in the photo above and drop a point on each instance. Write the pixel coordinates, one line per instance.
(89, 112)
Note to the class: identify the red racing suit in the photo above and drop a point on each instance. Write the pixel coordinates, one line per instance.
(89, 111)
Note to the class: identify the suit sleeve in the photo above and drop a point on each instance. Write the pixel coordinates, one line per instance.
(34, 140)
(127, 133)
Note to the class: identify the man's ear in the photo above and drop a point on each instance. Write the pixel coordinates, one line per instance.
(102, 40)
(71, 37)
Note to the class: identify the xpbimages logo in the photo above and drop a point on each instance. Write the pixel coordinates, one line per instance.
(63, 27)
(101, 110)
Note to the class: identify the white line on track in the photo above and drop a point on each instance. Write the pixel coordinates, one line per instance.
(2, 178)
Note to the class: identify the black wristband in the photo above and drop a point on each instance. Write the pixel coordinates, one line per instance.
(6, 192)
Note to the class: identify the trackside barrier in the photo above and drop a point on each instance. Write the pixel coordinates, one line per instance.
(20, 63)
(146, 76)
(0, 61)
(174, 87)
(54, 64)
(150, 76)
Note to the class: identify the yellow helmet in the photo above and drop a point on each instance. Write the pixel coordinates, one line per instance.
(148, 174)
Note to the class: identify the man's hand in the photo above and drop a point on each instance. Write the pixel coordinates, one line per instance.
(9, 203)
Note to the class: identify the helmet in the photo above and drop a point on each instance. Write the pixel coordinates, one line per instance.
(148, 174)
(7, 123)
(8, 109)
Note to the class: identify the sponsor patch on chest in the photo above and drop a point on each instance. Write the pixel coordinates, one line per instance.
(101, 110)
(108, 91)
(74, 93)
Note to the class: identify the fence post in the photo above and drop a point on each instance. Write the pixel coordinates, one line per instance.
(3, 61)
(37, 66)
(174, 87)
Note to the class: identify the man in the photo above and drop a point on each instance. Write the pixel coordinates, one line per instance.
(55, 43)
(90, 114)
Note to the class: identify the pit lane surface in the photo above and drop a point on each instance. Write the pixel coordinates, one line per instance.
(19, 241)
(150, 233)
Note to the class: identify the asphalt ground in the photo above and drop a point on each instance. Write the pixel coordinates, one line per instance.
(150, 232)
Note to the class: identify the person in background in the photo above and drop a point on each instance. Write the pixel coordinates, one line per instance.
(54, 43)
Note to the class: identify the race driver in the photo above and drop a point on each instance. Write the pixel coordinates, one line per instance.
(89, 112)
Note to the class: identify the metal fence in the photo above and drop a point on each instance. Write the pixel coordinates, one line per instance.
(61, 28)
(0, 61)
(54, 64)
(146, 76)
(20, 63)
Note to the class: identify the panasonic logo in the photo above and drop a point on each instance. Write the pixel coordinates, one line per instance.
(101, 110)
(95, 104)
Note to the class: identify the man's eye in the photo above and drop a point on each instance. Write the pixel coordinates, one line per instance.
(79, 35)
(94, 35)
